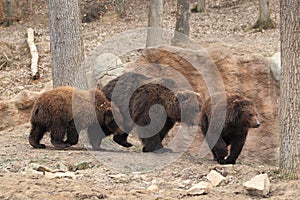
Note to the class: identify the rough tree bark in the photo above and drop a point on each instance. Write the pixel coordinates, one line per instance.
(14, 10)
(182, 29)
(121, 8)
(9, 14)
(200, 6)
(289, 161)
(66, 44)
(264, 21)
(155, 23)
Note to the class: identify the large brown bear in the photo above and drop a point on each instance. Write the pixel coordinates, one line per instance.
(226, 122)
(69, 110)
(136, 94)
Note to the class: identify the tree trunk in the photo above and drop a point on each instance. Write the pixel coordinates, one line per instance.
(264, 21)
(9, 13)
(201, 6)
(182, 29)
(289, 163)
(14, 10)
(155, 23)
(121, 8)
(66, 44)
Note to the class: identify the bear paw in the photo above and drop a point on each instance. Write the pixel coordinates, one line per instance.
(61, 145)
(122, 140)
(39, 146)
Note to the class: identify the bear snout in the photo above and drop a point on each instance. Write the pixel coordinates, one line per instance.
(256, 125)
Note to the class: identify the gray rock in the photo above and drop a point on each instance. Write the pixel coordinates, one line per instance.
(107, 66)
(275, 66)
(200, 188)
(258, 185)
(215, 178)
(152, 187)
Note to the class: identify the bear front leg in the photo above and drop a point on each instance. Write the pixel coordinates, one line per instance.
(72, 134)
(235, 150)
(220, 151)
(57, 137)
(167, 127)
(36, 134)
(95, 136)
(121, 139)
(153, 144)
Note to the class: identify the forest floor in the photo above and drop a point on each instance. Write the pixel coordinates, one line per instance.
(119, 173)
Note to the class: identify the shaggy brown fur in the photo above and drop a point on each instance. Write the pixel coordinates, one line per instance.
(69, 110)
(180, 107)
(135, 94)
(240, 115)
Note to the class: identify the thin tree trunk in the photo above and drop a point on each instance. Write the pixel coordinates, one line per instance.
(289, 163)
(155, 23)
(66, 43)
(201, 6)
(121, 8)
(264, 21)
(182, 29)
(9, 13)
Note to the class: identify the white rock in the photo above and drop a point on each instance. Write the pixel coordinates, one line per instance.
(51, 175)
(275, 66)
(258, 185)
(107, 66)
(152, 187)
(202, 187)
(118, 176)
(215, 177)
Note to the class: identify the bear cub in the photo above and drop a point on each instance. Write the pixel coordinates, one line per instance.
(66, 111)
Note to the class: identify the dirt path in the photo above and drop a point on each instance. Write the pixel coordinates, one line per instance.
(118, 173)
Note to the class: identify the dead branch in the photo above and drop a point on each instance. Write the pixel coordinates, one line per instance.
(34, 54)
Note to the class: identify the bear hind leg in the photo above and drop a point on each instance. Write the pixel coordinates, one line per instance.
(153, 144)
(57, 137)
(36, 134)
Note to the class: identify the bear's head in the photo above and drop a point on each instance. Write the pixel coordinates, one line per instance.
(188, 107)
(243, 112)
(112, 118)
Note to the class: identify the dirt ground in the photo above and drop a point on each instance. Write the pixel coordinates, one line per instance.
(120, 173)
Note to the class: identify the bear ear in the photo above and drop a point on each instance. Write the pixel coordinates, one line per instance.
(108, 111)
(181, 96)
(237, 104)
(234, 110)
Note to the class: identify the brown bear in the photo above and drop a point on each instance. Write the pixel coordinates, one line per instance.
(226, 122)
(69, 110)
(136, 94)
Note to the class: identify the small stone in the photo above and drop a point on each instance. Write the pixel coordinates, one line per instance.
(107, 66)
(62, 167)
(82, 165)
(215, 178)
(200, 188)
(152, 187)
(51, 175)
(258, 185)
(118, 176)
